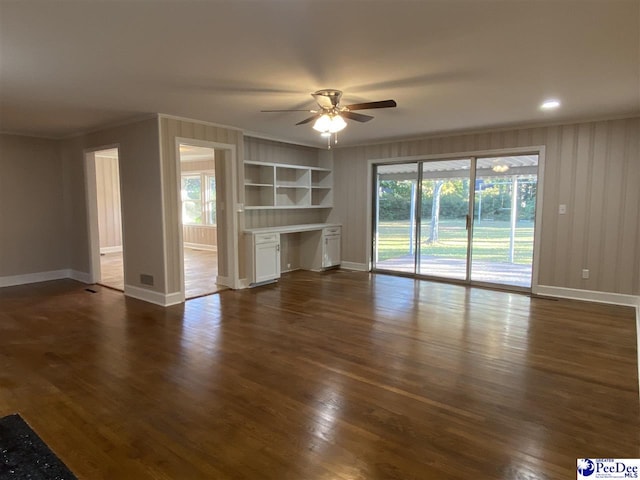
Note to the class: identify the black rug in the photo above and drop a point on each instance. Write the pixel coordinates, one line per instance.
(24, 456)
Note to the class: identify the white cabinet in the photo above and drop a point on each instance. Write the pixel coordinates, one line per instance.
(264, 249)
(331, 239)
(278, 185)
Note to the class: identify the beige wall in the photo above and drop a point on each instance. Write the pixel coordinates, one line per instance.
(172, 128)
(141, 196)
(593, 168)
(108, 196)
(32, 233)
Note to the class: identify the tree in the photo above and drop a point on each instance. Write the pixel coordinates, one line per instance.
(435, 211)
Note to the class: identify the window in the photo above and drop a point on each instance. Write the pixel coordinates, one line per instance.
(198, 192)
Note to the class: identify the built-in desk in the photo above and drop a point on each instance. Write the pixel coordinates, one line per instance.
(319, 249)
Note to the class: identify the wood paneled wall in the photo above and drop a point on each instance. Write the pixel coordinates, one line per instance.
(108, 195)
(201, 235)
(592, 167)
(170, 128)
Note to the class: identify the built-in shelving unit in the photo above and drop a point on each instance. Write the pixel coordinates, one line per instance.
(278, 185)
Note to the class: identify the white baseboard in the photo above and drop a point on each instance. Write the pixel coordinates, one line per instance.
(586, 295)
(83, 277)
(359, 267)
(13, 280)
(37, 277)
(157, 298)
(116, 249)
(226, 281)
(201, 246)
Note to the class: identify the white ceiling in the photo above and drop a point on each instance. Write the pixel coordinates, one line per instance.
(70, 66)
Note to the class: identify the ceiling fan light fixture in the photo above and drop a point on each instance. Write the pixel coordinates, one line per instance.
(322, 124)
(328, 123)
(337, 124)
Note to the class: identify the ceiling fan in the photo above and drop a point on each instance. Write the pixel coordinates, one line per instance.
(330, 115)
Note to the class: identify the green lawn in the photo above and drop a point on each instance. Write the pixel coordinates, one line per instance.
(491, 241)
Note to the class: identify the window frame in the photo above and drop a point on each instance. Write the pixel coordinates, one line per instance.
(206, 202)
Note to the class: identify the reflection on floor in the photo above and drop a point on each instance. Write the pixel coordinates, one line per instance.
(501, 273)
(200, 271)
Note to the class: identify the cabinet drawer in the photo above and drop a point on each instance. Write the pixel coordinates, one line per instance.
(331, 231)
(267, 238)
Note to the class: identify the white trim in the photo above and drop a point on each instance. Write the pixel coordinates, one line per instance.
(201, 246)
(91, 201)
(359, 267)
(83, 277)
(157, 298)
(13, 280)
(537, 232)
(586, 295)
(539, 150)
(37, 277)
(228, 282)
(532, 149)
(116, 249)
(231, 204)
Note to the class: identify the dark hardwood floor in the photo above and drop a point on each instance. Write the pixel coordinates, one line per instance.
(340, 375)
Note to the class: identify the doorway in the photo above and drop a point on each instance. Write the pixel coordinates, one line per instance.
(469, 220)
(103, 177)
(199, 214)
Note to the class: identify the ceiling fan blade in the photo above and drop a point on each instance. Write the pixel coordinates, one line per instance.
(358, 117)
(290, 110)
(368, 105)
(307, 120)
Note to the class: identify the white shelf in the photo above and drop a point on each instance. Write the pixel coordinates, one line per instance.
(285, 186)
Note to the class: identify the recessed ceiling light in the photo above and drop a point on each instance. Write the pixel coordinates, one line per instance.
(550, 104)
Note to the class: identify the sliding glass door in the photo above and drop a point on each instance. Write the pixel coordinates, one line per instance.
(504, 220)
(444, 239)
(396, 226)
(424, 211)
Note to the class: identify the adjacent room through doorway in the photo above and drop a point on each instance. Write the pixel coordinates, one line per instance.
(199, 220)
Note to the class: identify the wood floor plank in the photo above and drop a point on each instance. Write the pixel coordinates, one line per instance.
(335, 375)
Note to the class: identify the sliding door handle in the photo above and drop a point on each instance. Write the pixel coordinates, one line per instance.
(468, 226)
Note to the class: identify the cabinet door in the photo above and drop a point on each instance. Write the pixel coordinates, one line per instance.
(331, 251)
(267, 262)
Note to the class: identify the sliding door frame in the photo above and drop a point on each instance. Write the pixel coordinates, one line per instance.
(372, 194)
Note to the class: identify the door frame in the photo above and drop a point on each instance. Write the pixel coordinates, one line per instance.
(230, 227)
(501, 152)
(91, 201)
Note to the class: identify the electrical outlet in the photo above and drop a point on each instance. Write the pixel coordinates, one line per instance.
(562, 209)
(585, 274)
(288, 266)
